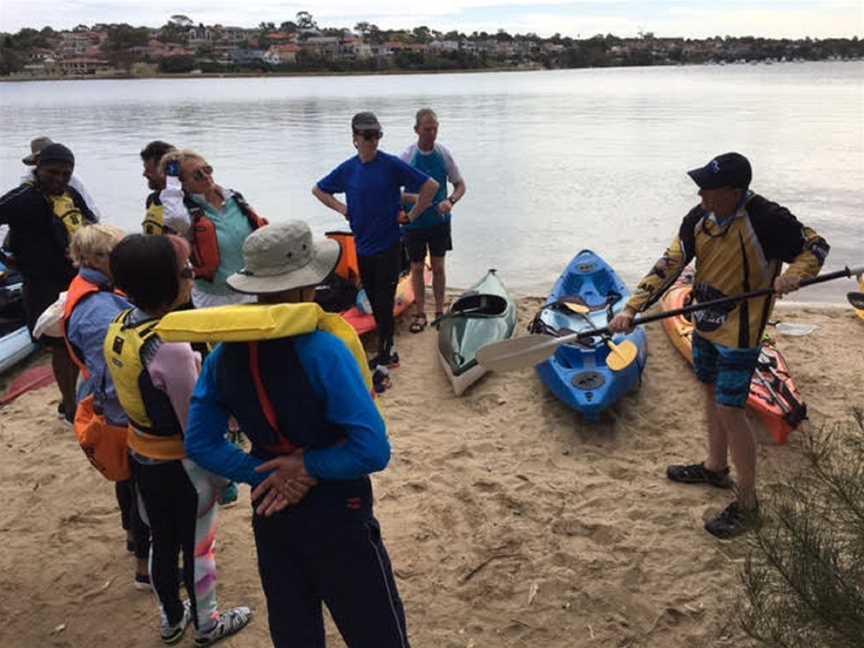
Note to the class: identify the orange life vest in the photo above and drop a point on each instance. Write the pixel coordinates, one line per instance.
(79, 290)
(205, 244)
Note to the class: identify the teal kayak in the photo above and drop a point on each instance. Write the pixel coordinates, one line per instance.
(483, 314)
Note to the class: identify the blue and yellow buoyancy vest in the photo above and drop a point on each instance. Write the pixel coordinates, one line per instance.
(154, 217)
(154, 430)
(277, 409)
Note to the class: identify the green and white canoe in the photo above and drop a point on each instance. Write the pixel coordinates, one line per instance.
(483, 314)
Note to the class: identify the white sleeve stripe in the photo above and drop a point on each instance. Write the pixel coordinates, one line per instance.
(450, 164)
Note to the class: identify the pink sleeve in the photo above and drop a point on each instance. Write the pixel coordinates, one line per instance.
(174, 369)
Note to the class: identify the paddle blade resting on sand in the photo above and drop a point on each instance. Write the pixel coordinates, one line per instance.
(856, 299)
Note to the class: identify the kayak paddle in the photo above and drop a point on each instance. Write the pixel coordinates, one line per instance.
(622, 356)
(527, 351)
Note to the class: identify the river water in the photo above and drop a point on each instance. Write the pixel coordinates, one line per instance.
(554, 161)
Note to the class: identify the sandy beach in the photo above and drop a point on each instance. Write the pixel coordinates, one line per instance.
(510, 522)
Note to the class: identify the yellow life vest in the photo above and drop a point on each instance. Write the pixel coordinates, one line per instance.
(67, 212)
(154, 430)
(255, 322)
(154, 217)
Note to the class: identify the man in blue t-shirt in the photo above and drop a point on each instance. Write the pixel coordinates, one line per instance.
(372, 182)
(432, 230)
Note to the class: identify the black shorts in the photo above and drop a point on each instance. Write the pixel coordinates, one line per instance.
(436, 239)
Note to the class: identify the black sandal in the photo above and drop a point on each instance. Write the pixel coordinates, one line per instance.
(419, 323)
(699, 474)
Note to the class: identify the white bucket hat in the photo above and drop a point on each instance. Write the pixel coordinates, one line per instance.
(36, 146)
(282, 257)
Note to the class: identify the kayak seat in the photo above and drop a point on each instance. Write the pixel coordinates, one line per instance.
(479, 304)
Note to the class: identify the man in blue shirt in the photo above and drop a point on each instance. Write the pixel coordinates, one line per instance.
(372, 182)
(316, 433)
(432, 230)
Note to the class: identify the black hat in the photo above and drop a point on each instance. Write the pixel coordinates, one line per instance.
(727, 170)
(56, 153)
(365, 121)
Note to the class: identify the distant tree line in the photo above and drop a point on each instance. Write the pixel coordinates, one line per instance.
(122, 45)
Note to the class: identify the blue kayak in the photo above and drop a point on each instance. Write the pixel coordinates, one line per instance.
(577, 373)
(15, 341)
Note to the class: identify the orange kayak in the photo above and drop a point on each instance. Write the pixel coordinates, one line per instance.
(347, 273)
(773, 394)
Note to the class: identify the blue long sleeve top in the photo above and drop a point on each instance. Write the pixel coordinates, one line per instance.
(87, 329)
(335, 378)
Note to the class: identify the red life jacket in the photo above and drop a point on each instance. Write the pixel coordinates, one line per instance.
(205, 245)
(79, 290)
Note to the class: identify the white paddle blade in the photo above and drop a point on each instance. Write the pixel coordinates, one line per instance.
(518, 353)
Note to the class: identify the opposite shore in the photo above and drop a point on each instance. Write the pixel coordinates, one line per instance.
(198, 74)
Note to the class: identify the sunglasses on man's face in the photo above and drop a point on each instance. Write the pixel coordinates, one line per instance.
(187, 272)
(369, 135)
(202, 173)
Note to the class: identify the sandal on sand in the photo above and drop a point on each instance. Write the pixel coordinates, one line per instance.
(699, 474)
(418, 323)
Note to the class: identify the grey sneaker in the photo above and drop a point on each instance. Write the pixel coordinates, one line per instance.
(171, 634)
(699, 474)
(229, 623)
(733, 521)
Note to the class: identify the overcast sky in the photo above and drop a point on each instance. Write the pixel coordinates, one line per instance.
(580, 18)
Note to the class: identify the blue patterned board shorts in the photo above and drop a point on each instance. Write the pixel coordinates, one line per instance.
(729, 370)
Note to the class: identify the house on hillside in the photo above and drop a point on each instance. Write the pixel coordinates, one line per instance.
(324, 47)
(82, 66)
(247, 56)
(282, 54)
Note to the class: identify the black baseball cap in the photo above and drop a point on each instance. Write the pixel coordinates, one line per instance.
(727, 170)
(56, 153)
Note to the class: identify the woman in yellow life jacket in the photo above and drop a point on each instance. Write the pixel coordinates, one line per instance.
(91, 306)
(154, 383)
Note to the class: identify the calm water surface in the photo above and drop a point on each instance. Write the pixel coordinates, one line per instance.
(554, 161)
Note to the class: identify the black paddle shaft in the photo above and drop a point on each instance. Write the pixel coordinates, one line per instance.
(845, 272)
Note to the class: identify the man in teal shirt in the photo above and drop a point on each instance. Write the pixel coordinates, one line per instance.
(431, 231)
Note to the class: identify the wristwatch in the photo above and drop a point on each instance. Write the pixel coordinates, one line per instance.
(451, 200)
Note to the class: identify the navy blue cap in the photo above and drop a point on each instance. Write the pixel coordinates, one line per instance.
(55, 153)
(727, 170)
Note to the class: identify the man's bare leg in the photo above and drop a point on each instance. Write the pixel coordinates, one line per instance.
(742, 443)
(419, 287)
(718, 441)
(66, 374)
(439, 282)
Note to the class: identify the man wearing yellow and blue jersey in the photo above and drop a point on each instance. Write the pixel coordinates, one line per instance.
(740, 242)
